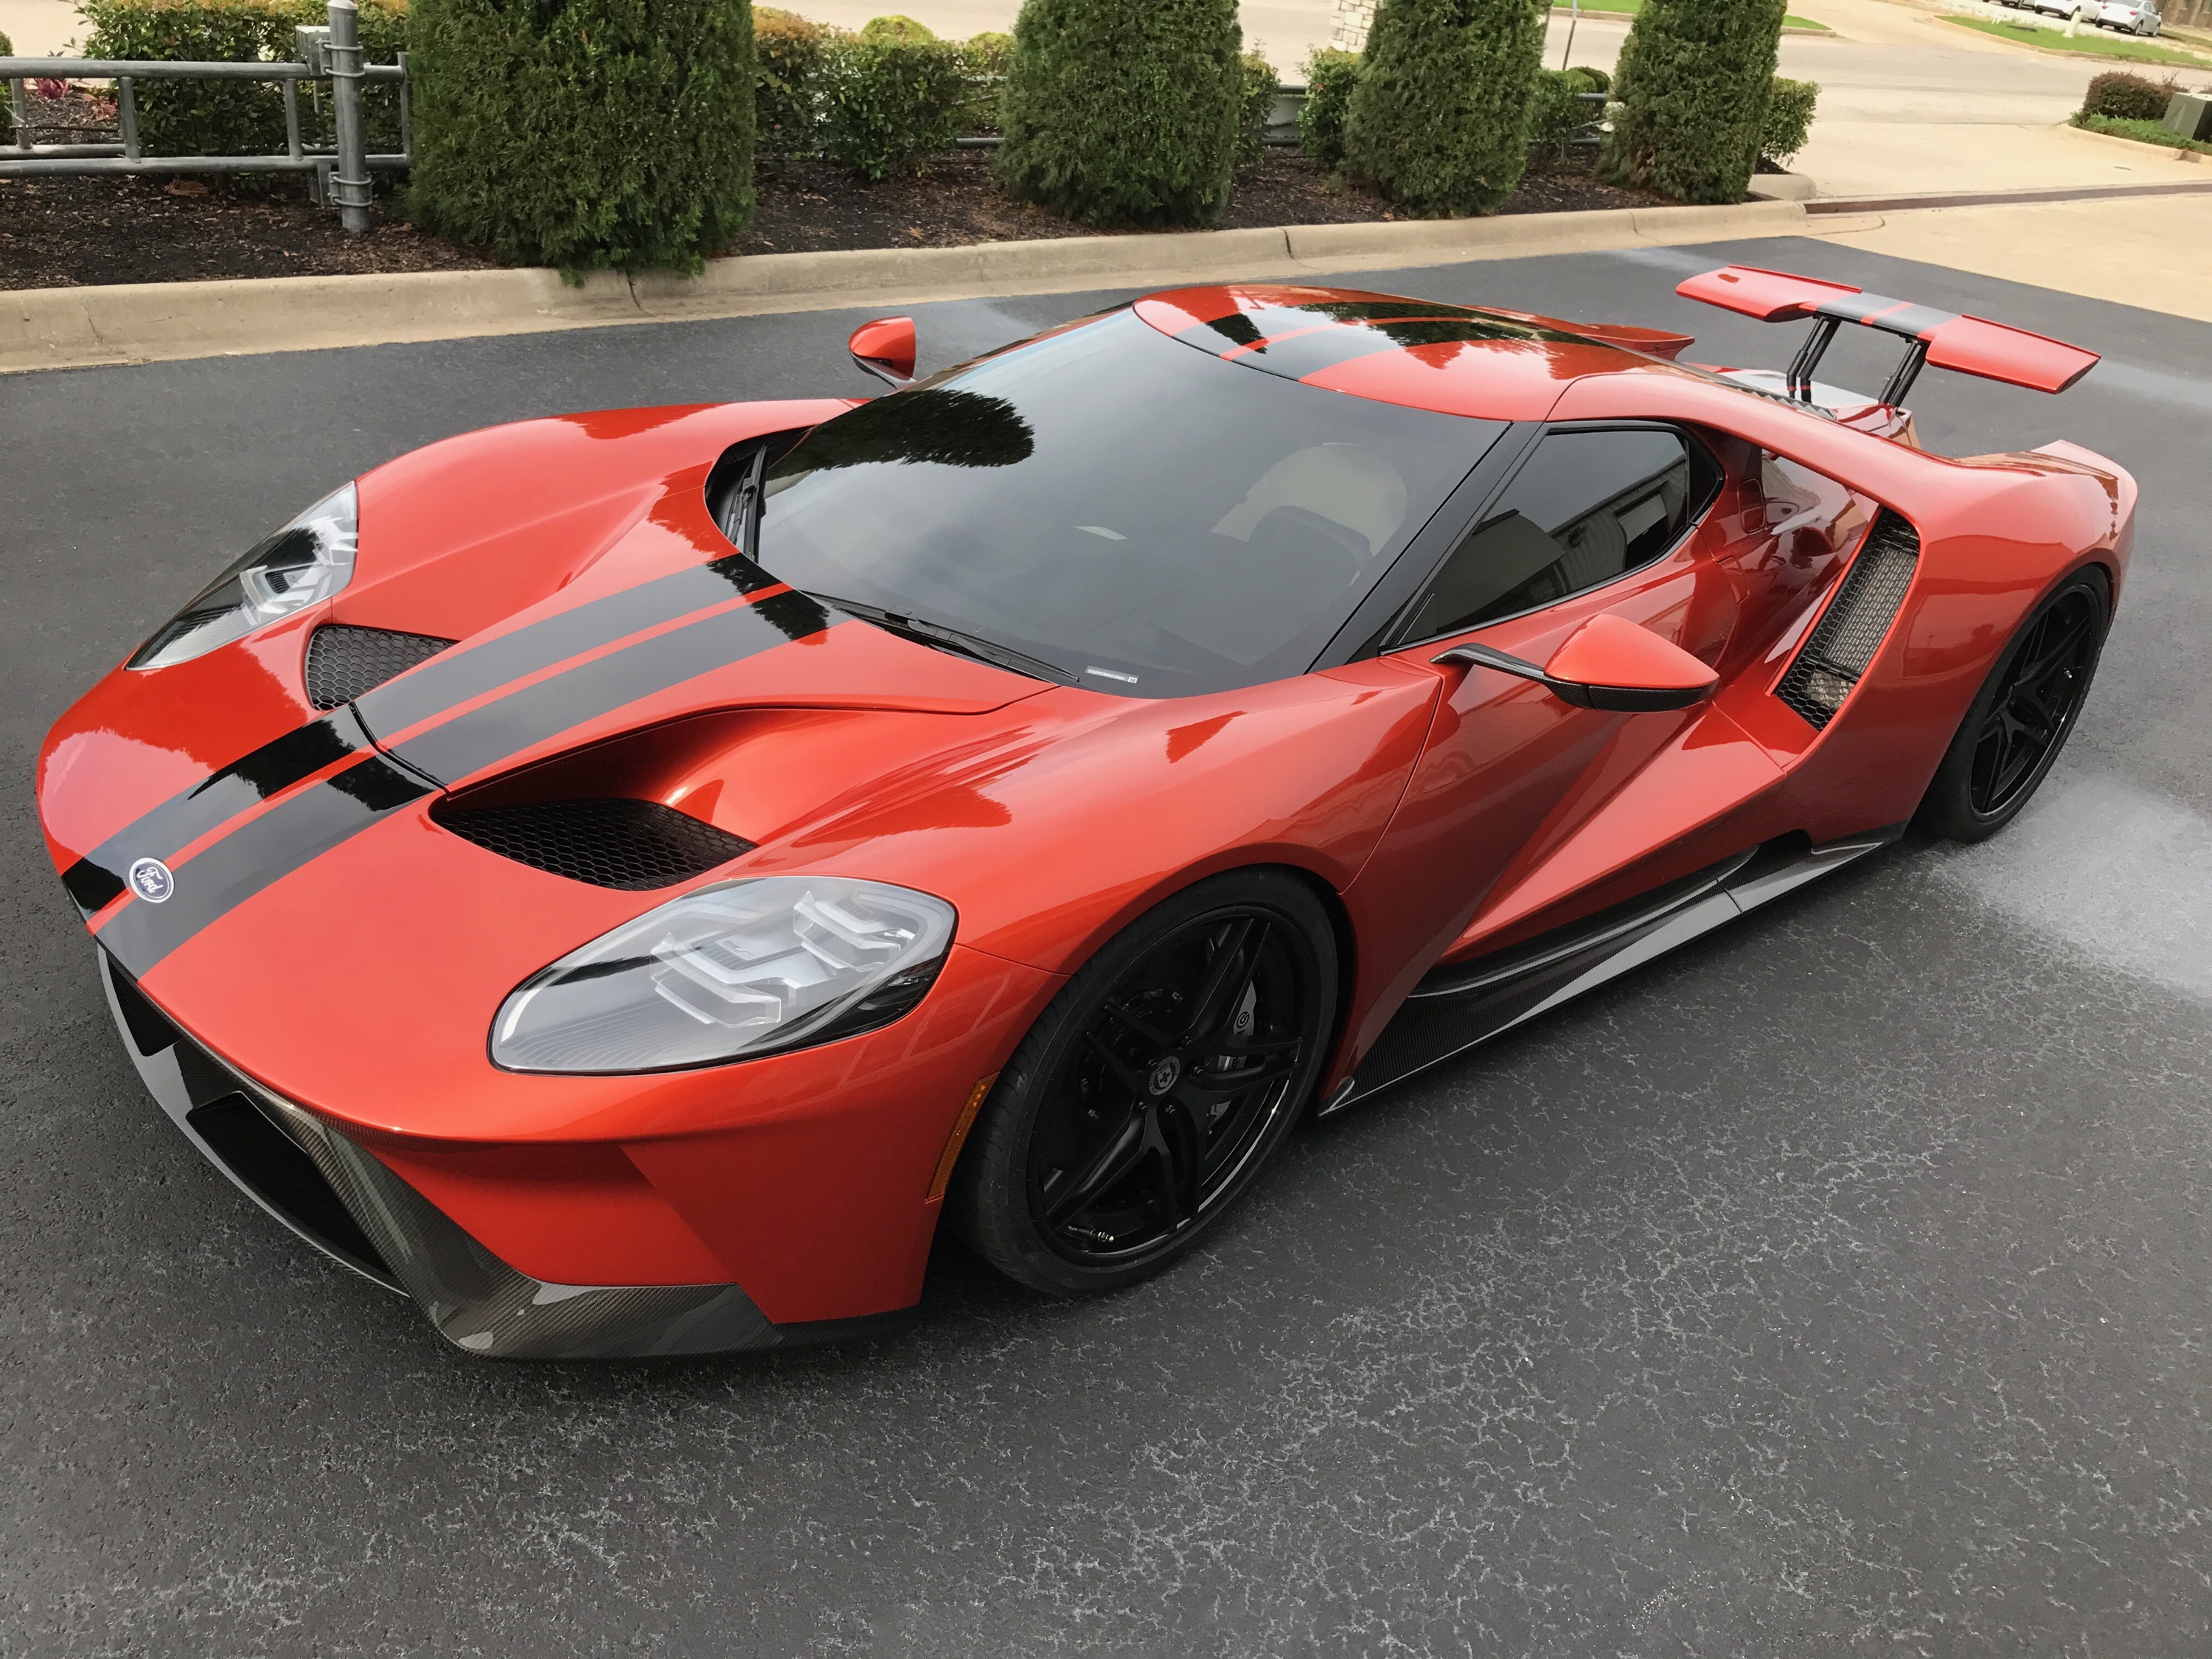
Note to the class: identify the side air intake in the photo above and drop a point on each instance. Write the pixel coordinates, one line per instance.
(630, 844)
(344, 662)
(1845, 639)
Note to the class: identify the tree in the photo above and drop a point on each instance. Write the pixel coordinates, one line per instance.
(1694, 80)
(1440, 117)
(1117, 113)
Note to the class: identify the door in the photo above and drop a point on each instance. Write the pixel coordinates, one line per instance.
(1523, 807)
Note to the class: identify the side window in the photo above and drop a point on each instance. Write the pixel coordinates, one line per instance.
(1586, 507)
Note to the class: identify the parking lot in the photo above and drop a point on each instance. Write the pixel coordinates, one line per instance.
(1835, 1285)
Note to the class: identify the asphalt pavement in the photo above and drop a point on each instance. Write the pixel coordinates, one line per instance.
(1836, 1285)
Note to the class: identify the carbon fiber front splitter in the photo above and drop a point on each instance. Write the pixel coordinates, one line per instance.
(347, 1204)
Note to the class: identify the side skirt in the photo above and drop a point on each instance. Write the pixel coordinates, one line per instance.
(1462, 1003)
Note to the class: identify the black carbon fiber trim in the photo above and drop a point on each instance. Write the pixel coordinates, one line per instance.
(344, 662)
(632, 845)
(1844, 640)
(1913, 322)
(474, 1299)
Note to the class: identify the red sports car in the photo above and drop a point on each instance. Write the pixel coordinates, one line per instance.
(624, 880)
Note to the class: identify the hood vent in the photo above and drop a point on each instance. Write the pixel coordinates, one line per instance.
(1845, 639)
(344, 662)
(633, 845)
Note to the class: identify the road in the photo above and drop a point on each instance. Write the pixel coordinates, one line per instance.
(1836, 1285)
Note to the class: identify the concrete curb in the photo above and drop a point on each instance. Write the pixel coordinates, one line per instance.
(79, 327)
(1820, 209)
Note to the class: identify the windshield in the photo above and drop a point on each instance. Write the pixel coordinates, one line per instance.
(1138, 514)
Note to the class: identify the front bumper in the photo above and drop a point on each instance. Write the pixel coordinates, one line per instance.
(345, 1202)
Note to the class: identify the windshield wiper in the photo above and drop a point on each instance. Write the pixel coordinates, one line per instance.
(936, 634)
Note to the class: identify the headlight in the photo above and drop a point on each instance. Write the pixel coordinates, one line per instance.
(302, 564)
(738, 968)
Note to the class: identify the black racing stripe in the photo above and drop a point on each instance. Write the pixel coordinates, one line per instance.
(306, 825)
(1912, 322)
(484, 736)
(96, 880)
(258, 853)
(470, 671)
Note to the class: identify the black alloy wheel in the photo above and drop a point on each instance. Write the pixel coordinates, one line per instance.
(2017, 725)
(1147, 1097)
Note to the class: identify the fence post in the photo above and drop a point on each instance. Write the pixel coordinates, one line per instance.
(19, 112)
(350, 187)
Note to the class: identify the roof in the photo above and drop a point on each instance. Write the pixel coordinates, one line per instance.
(1486, 362)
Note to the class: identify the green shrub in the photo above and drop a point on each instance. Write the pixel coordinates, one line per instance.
(2143, 132)
(7, 47)
(2125, 97)
(602, 132)
(1330, 77)
(1260, 88)
(1693, 83)
(1598, 79)
(1789, 118)
(1557, 113)
(887, 104)
(786, 99)
(238, 118)
(1440, 119)
(897, 31)
(988, 55)
(1117, 113)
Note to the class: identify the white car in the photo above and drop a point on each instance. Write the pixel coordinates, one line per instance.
(2136, 16)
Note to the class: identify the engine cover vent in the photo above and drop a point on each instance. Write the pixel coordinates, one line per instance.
(630, 844)
(1845, 639)
(344, 662)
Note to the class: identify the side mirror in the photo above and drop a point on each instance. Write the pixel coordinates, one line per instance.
(886, 349)
(1607, 663)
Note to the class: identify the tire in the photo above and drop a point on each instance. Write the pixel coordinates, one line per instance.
(1113, 1139)
(2023, 715)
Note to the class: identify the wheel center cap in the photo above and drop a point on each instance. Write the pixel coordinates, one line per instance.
(1165, 1075)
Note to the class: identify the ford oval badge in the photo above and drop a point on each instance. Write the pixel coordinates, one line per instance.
(151, 880)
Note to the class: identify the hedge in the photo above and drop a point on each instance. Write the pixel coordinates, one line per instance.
(1441, 116)
(789, 49)
(2125, 97)
(1789, 118)
(891, 99)
(593, 133)
(1330, 77)
(1261, 89)
(1558, 111)
(1122, 114)
(1693, 83)
(239, 118)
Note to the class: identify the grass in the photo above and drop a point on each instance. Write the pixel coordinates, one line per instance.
(1630, 8)
(2090, 42)
(2146, 132)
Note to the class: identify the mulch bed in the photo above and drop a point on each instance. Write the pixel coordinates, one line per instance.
(63, 232)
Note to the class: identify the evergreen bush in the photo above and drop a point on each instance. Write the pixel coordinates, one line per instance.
(1117, 113)
(1557, 111)
(786, 99)
(1261, 89)
(1693, 83)
(238, 118)
(2126, 97)
(1330, 77)
(890, 102)
(1789, 118)
(597, 133)
(897, 31)
(988, 55)
(1440, 119)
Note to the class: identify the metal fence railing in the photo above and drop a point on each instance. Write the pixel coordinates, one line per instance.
(340, 172)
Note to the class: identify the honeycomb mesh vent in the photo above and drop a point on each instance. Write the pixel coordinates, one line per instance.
(630, 844)
(1847, 638)
(344, 662)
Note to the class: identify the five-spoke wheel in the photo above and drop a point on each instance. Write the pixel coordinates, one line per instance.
(1147, 1096)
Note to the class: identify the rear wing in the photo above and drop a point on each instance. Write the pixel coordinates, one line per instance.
(1945, 338)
